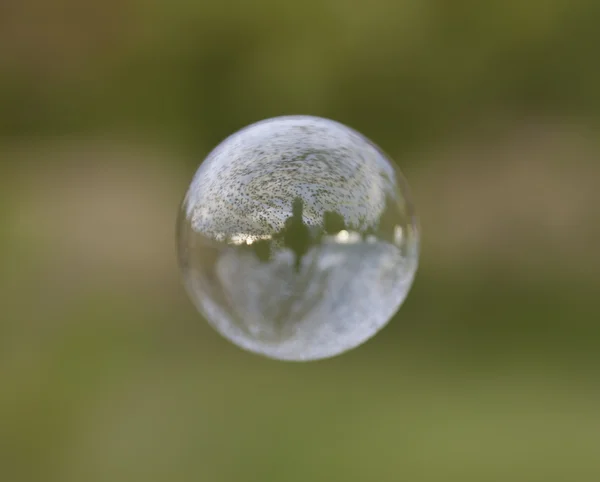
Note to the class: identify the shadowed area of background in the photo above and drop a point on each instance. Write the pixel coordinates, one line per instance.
(490, 369)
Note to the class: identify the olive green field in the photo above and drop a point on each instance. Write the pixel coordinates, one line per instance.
(489, 372)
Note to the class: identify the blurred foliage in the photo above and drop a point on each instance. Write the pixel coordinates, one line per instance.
(403, 70)
(489, 372)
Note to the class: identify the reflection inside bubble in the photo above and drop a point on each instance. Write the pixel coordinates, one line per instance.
(297, 239)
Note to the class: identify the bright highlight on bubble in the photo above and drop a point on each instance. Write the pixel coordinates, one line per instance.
(297, 238)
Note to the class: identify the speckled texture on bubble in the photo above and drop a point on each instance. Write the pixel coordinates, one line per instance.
(348, 285)
(247, 183)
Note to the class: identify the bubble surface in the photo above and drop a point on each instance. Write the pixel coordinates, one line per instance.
(297, 238)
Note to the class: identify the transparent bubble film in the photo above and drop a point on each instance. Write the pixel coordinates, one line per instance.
(297, 238)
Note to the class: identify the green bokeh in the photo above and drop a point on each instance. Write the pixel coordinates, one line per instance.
(489, 372)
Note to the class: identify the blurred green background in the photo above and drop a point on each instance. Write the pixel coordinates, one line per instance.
(489, 372)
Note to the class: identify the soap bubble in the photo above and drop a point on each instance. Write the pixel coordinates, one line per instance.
(297, 238)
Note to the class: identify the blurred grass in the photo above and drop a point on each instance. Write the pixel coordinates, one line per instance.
(488, 372)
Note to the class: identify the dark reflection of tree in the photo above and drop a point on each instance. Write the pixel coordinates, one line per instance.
(333, 223)
(296, 235)
(262, 249)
